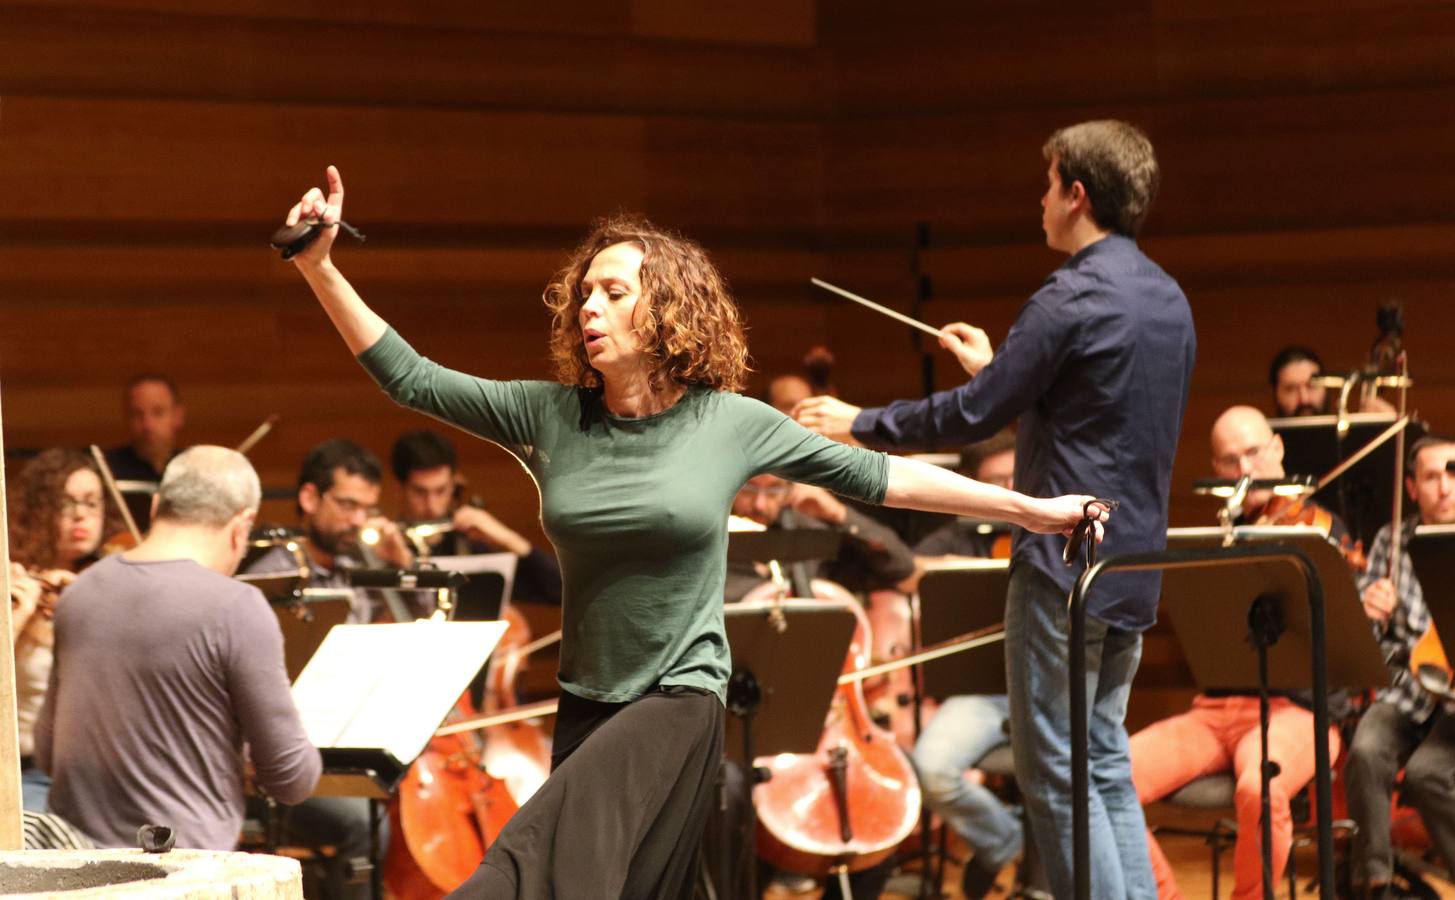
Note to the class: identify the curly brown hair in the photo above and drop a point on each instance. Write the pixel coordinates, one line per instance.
(34, 497)
(692, 332)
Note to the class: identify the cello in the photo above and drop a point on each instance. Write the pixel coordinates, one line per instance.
(465, 786)
(848, 805)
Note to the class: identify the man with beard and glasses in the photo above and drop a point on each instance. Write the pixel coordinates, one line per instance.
(338, 496)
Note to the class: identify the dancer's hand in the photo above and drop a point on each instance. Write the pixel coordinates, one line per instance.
(329, 210)
(1062, 515)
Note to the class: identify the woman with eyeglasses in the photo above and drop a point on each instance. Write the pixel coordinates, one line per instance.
(638, 449)
(58, 517)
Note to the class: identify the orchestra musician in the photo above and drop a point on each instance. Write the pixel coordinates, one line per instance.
(1097, 367)
(1405, 725)
(58, 517)
(427, 467)
(154, 416)
(871, 556)
(338, 497)
(993, 462)
(165, 666)
(1221, 730)
(1290, 377)
(638, 451)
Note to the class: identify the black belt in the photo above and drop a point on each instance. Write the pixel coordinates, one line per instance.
(27, 762)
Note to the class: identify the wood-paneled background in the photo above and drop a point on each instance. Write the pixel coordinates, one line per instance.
(148, 148)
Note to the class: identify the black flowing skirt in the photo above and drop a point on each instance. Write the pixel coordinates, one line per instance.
(623, 811)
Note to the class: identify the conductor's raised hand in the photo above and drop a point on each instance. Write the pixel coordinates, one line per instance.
(327, 208)
(970, 345)
(829, 416)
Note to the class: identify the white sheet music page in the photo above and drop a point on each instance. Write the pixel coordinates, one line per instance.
(389, 686)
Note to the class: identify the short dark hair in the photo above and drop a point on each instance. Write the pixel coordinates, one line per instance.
(1288, 356)
(421, 449)
(339, 453)
(1115, 163)
(973, 455)
(142, 378)
(1424, 443)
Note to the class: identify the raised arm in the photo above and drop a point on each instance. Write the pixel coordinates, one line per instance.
(359, 325)
(917, 485)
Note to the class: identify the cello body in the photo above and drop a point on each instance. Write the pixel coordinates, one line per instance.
(852, 801)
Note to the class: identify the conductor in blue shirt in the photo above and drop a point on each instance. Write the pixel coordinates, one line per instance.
(1096, 371)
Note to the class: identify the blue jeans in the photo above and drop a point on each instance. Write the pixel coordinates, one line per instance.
(1037, 666)
(35, 788)
(961, 733)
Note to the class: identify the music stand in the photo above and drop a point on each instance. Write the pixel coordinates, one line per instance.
(365, 708)
(1432, 552)
(306, 619)
(783, 545)
(489, 577)
(1212, 640)
(787, 658)
(1272, 585)
(1362, 496)
(957, 597)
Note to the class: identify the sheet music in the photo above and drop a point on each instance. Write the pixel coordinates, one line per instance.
(389, 686)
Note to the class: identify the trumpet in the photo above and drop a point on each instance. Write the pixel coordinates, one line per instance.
(415, 532)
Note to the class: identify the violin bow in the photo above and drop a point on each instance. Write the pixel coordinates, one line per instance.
(115, 492)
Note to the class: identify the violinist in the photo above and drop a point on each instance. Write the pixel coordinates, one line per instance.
(1097, 368)
(154, 416)
(426, 466)
(58, 517)
(165, 667)
(1221, 731)
(1405, 726)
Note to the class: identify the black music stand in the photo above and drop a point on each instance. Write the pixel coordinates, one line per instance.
(955, 598)
(783, 545)
(1278, 583)
(1432, 552)
(787, 658)
(306, 619)
(1362, 496)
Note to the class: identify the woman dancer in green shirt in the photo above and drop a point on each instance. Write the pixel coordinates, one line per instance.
(638, 450)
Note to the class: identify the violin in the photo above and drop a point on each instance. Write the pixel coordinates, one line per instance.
(1289, 511)
(847, 806)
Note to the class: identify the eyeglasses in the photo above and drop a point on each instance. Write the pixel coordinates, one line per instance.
(1236, 460)
(84, 505)
(349, 506)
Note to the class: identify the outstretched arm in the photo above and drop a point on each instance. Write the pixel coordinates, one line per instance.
(917, 485)
(360, 326)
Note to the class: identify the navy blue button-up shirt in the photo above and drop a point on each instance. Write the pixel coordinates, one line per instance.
(1096, 368)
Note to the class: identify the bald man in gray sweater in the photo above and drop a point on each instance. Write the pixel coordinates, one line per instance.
(165, 668)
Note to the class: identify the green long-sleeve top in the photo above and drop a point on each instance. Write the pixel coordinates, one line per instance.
(636, 508)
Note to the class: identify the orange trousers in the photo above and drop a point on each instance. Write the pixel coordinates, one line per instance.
(1218, 734)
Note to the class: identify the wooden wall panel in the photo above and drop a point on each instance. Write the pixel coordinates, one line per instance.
(156, 54)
